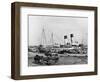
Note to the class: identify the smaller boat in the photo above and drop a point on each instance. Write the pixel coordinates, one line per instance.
(48, 59)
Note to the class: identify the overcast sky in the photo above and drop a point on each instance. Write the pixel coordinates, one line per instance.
(59, 26)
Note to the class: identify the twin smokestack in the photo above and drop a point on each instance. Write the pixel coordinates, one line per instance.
(66, 39)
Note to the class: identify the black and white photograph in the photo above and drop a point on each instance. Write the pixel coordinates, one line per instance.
(57, 40)
(53, 40)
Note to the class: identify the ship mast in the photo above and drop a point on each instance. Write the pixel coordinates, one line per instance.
(43, 38)
(52, 40)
